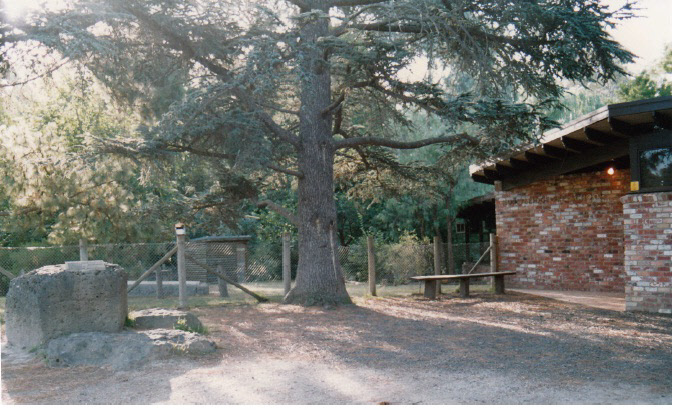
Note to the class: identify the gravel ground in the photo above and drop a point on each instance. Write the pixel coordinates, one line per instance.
(488, 349)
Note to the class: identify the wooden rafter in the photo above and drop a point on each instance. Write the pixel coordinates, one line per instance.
(538, 159)
(556, 152)
(599, 136)
(629, 130)
(577, 145)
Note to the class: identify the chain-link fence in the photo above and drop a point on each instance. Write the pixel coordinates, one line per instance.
(135, 258)
(255, 262)
(395, 263)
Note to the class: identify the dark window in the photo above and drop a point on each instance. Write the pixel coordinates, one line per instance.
(651, 162)
(656, 167)
(460, 227)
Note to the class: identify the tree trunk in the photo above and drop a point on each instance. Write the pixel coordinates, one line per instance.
(420, 219)
(319, 277)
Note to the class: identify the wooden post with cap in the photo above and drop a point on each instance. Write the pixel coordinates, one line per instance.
(182, 271)
(372, 273)
(286, 261)
(84, 252)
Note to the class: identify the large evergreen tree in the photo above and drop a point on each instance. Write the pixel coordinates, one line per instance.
(288, 85)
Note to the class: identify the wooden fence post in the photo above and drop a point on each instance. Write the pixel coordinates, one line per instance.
(437, 262)
(182, 272)
(241, 263)
(222, 285)
(467, 246)
(372, 273)
(7, 273)
(160, 283)
(450, 260)
(286, 261)
(84, 254)
(497, 284)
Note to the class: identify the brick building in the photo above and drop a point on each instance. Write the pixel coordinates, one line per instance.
(589, 207)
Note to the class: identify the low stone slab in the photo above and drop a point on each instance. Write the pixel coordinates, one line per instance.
(85, 266)
(163, 319)
(169, 288)
(124, 350)
(53, 301)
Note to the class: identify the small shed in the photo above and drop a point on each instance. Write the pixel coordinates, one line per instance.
(589, 206)
(229, 252)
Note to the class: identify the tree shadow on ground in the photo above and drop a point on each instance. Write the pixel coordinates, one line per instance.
(273, 353)
(528, 334)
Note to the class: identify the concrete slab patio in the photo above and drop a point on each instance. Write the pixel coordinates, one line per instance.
(600, 300)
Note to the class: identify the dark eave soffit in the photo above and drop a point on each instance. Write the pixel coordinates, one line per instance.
(597, 137)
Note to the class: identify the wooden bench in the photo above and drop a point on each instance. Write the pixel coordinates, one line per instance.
(431, 282)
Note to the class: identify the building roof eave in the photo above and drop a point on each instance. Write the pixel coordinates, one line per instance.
(592, 138)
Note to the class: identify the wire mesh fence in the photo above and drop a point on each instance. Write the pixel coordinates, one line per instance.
(255, 262)
(395, 263)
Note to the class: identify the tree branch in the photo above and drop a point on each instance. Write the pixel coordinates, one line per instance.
(280, 210)
(352, 3)
(388, 27)
(384, 142)
(277, 168)
(37, 76)
(301, 4)
(275, 108)
(407, 99)
(334, 105)
(184, 46)
(219, 155)
(200, 152)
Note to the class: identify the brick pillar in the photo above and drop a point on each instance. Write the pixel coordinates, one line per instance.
(648, 251)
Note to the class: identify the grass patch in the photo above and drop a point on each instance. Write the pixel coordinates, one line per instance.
(148, 302)
(128, 322)
(182, 325)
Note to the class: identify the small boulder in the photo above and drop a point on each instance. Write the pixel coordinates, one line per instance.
(57, 300)
(158, 318)
(124, 350)
(174, 341)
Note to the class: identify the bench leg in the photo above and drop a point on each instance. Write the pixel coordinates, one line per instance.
(464, 287)
(499, 285)
(430, 289)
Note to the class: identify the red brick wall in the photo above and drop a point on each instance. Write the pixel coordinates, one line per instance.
(564, 233)
(648, 251)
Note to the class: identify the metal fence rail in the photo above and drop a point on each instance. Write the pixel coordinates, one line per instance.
(395, 263)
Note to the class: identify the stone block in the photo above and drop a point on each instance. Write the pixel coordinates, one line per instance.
(158, 318)
(53, 301)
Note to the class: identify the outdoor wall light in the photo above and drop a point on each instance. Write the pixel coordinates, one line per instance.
(610, 171)
(180, 229)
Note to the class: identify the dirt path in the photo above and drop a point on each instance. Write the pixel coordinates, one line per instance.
(512, 349)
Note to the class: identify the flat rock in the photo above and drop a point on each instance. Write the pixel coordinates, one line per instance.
(158, 318)
(85, 266)
(124, 350)
(53, 301)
